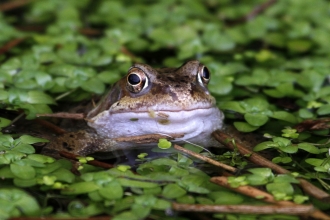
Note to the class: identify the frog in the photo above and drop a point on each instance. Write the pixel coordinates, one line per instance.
(148, 104)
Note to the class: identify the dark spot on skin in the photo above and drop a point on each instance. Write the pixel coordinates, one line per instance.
(170, 78)
(65, 145)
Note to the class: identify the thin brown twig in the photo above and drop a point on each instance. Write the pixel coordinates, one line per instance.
(245, 209)
(249, 191)
(257, 10)
(227, 141)
(13, 4)
(10, 45)
(76, 116)
(204, 158)
(51, 126)
(91, 162)
(263, 196)
(128, 53)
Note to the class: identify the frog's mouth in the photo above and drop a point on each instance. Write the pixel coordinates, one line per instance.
(195, 124)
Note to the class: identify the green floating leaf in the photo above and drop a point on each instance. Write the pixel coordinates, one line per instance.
(290, 149)
(162, 204)
(232, 106)
(314, 161)
(245, 127)
(37, 97)
(94, 85)
(164, 143)
(324, 110)
(3, 94)
(284, 116)
(24, 148)
(5, 172)
(126, 215)
(285, 178)
(19, 201)
(24, 183)
(299, 46)
(204, 201)
(4, 122)
(112, 190)
(281, 160)
(305, 113)
(280, 187)
(255, 105)
(259, 176)
(177, 171)
(309, 148)
(256, 119)
(282, 141)
(41, 158)
(63, 175)
(27, 139)
(172, 191)
(136, 183)
(186, 199)
(80, 188)
(23, 172)
(140, 211)
(226, 198)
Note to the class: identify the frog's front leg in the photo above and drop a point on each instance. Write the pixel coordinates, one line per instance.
(84, 143)
(79, 143)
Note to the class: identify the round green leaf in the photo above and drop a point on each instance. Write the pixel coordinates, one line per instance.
(314, 161)
(94, 85)
(27, 139)
(80, 188)
(324, 110)
(37, 97)
(112, 190)
(284, 116)
(256, 119)
(25, 182)
(309, 148)
(226, 198)
(305, 113)
(41, 158)
(4, 122)
(172, 191)
(136, 183)
(245, 127)
(23, 172)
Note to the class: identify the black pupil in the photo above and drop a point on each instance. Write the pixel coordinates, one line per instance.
(134, 79)
(206, 73)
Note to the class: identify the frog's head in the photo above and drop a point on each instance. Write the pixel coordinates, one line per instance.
(164, 101)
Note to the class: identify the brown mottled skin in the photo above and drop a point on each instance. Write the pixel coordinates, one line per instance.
(174, 103)
(172, 88)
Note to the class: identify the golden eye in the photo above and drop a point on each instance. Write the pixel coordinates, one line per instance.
(136, 80)
(203, 76)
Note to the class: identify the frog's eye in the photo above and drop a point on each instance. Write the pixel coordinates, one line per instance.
(203, 76)
(136, 80)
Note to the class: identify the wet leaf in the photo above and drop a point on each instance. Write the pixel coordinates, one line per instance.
(80, 188)
(23, 172)
(112, 190)
(172, 191)
(245, 127)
